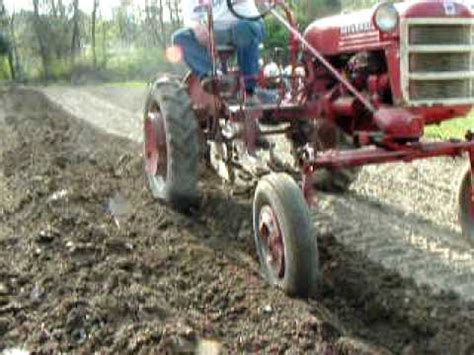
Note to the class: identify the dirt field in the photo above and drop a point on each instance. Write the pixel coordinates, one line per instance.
(411, 207)
(89, 262)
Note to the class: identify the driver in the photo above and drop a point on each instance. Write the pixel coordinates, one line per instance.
(244, 35)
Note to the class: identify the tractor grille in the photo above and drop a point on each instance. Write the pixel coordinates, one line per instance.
(439, 89)
(436, 34)
(437, 61)
(434, 62)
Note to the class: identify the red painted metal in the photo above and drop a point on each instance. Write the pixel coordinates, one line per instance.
(317, 54)
(346, 33)
(355, 31)
(392, 55)
(346, 106)
(341, 88)
(471, 186)
(422, 9)
(271, 234)
(399, 123)
(393, 153)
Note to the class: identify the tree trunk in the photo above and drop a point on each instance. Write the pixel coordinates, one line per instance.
(61, 8)
(54, 8)
(94, 23)
(11, 64)
(41, 40)
(176, 10)
(156, 23)
(104, 46)
(162, 25)
(76, 40)
(170, 12)
(13, 58)
(149, 38)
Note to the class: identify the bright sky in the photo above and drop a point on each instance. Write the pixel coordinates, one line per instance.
(86, 5)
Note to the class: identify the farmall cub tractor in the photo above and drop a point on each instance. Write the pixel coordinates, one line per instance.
(361, 90)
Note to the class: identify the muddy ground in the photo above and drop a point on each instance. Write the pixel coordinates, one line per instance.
(89, 262)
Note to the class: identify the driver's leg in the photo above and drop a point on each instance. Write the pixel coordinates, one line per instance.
(246, 37)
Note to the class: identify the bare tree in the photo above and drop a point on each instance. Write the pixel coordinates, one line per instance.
(156, 22)
(43, 48)
(54, 8)
(174, 13)
(93, 34)
(13, 57)
(105, 57)
(76, 37)
(177, 12)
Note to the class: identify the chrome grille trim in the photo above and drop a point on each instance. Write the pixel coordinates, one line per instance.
(437, 61)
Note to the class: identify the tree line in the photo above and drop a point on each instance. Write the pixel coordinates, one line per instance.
(56, 39)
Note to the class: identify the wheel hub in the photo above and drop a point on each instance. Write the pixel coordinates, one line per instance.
(155, 144)
(271, 235)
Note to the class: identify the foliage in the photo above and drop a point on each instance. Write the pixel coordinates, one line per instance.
(451, 129)
(59, 41)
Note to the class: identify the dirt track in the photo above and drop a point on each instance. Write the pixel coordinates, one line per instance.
(89, 262)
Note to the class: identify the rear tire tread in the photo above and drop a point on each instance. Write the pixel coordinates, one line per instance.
(182, 143)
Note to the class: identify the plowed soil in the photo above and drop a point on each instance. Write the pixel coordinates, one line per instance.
(89, 262)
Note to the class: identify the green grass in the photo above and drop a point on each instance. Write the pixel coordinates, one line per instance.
(126, 84)
(455, 128)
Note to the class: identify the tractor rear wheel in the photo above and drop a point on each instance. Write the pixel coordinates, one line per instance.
(328, 136)
(466, 207)
(284, 235)
(171, 145)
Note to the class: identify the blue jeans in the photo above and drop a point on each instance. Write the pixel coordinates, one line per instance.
(244, 36)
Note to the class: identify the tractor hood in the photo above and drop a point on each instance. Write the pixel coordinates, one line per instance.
(355, 31)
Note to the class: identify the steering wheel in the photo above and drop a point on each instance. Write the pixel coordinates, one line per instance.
(263, 7)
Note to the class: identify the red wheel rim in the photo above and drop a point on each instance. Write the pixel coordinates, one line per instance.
(272, 238)
(155, 143)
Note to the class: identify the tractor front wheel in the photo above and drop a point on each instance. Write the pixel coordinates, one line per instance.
(171, 145)
(466, 207)
(284, 235)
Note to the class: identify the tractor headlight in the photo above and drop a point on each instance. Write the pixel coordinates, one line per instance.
(386, 17)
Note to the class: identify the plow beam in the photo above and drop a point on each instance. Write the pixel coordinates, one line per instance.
(402, 153)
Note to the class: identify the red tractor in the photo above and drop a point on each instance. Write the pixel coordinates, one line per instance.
(361, 90)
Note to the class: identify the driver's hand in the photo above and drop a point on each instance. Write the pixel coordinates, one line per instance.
(202, 34)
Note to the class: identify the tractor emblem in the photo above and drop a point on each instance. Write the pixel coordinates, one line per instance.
(449, 8)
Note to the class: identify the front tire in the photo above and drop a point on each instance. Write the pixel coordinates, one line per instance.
(171, 145)
(284, 235)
